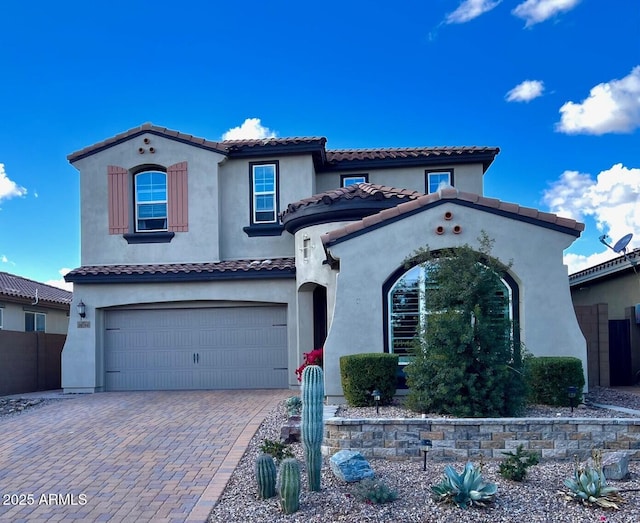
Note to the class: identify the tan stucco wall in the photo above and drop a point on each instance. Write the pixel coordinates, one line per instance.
(618, 292)
(548, 323)
(466, 178)
(295, 183)
(199, 244)
(56, 321)
(82, 356)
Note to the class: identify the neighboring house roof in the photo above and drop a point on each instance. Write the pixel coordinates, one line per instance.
(492, 205)
(605, 270)
(171, 272)
(345, 203)
(19, 288)
(325, 160)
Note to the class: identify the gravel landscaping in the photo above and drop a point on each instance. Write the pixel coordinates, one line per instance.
(538, 499)
(17, 405)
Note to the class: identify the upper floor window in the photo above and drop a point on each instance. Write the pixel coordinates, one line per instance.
(35, 322)
(436, 180)
(151, 201)
(264, 193)
(348, 179)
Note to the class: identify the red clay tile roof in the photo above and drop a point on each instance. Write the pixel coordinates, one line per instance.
(361, 191)
(265, 266)
(342, 155)
(336, 159)
(452, 194)
(19, 287)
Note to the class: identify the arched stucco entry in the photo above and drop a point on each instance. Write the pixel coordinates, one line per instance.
(398, 276)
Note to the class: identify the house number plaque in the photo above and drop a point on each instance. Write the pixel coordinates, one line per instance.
(84, 324)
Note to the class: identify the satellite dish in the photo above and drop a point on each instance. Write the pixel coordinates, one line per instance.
(621, 244)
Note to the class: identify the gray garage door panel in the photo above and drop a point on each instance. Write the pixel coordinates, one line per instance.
(215, 348)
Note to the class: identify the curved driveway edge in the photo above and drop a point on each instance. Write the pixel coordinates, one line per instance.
(126, 456)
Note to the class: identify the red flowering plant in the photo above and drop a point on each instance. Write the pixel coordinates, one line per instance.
(310, 358)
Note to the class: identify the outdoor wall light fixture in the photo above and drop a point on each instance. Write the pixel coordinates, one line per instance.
(572, 392)
(82, 309)
(376, 397)
(425, 447)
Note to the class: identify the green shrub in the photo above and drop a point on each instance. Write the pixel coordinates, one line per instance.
(515, 465)
(549, 377)
(466, 355)
(372, 490)
(276, 449)
(362, 373)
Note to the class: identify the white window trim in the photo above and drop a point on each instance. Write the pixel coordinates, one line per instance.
(350, 179)
(35, 321)
(437, 173)
(257, 193)
(137, 204)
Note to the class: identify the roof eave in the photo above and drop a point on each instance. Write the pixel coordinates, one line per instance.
(486, 158)
(135, 132)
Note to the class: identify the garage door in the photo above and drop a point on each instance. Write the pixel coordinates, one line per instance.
(213, 348)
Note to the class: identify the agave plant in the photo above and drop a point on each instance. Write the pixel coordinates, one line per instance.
(589, 485)
(464, 489)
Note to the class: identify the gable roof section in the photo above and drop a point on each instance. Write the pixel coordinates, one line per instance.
(19, 288)
(230, 148)
(606, 270)
(179, 272)
(422, 203)
(324, 160)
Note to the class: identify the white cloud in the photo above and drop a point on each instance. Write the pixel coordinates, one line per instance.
(470, 9)
(612, 199)
(536, 11)
(525, 91)
(251, 129)
(579, 262)
(9, 188)
(612, 107)
(60, 283)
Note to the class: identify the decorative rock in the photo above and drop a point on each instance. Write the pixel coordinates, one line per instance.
(615, 465)
(290, 431)
(350, 466)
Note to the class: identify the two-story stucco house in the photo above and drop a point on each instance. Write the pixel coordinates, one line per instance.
(211, 265)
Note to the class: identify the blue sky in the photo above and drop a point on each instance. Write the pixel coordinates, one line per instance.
(554, 83)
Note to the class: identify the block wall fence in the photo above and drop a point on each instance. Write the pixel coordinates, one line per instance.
(461, 439)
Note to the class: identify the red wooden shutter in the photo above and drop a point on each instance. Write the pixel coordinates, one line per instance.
(118, 192)
(177, 196)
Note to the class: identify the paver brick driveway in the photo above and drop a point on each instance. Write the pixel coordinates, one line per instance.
(126, 456)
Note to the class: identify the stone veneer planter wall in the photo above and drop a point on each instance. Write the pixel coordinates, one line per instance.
(469, 438)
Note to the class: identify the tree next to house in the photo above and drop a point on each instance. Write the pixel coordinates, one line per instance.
(466, 355)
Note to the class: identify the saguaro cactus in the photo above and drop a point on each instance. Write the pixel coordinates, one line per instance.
(289, 485)
(266, 476)
(311, 426)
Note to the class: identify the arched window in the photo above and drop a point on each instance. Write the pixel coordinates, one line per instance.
(407, 311)
(151, 201)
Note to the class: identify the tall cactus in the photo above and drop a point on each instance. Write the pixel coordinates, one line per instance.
(266, 476)
(289, 485)
(311, 426)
